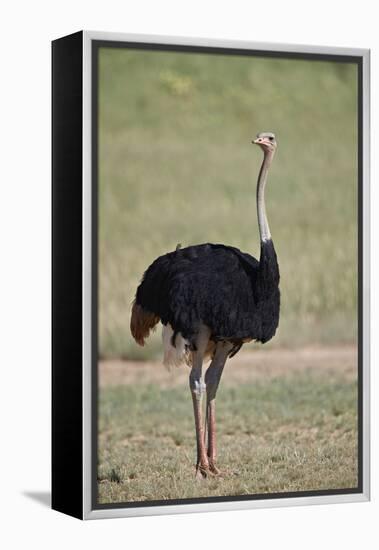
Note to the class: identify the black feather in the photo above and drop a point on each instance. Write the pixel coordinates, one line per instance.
(232, 293)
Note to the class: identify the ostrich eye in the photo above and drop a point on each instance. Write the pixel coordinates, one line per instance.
(271, 138)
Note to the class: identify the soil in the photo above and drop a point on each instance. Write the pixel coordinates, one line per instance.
(244, 367)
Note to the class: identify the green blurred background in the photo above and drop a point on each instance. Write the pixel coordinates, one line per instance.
(176, 165)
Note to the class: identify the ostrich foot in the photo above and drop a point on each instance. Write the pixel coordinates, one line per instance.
(213, 468)
(201, 473)
(207, 471)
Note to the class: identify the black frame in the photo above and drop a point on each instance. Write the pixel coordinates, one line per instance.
(67, 404)
(67, 357)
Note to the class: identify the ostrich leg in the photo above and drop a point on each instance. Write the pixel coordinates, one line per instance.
(197, 387)
(212, 380)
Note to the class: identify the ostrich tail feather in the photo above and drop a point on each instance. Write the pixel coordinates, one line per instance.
(141, 323)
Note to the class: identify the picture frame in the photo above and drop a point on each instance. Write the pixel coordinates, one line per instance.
(75, 272)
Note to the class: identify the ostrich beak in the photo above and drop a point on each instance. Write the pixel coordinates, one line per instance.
(257, 141)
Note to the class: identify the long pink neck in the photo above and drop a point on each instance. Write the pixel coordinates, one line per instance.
(264, 229)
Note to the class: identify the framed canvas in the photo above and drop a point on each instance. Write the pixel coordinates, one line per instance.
(219, 192)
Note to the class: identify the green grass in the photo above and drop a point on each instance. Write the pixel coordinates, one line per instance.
(292, 433)
(176, 166)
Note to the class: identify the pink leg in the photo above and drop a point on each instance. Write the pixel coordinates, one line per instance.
(212, 380)
(202, 464)
(212, 455)
(197, 387)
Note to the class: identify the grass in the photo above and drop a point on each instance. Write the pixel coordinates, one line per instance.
(291, 431)
(176, 165)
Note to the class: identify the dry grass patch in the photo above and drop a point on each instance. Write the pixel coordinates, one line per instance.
(292, 430)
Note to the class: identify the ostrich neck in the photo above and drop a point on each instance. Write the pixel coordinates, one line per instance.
(268, 263)
(264, 229)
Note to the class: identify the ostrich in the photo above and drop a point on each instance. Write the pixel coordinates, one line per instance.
(211, 299)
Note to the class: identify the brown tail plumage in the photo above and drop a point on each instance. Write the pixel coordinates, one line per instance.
(141, 323)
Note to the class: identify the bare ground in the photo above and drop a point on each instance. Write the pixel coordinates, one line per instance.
(287, 423)
(247, 366)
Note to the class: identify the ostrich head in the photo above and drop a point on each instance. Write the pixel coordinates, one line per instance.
(266, 141)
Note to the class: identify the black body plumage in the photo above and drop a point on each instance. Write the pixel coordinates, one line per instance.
(219, 286)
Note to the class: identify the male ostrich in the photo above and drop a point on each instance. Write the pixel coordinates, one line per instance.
(211, 299)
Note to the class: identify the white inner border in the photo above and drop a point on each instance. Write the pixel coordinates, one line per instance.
(88, 512)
